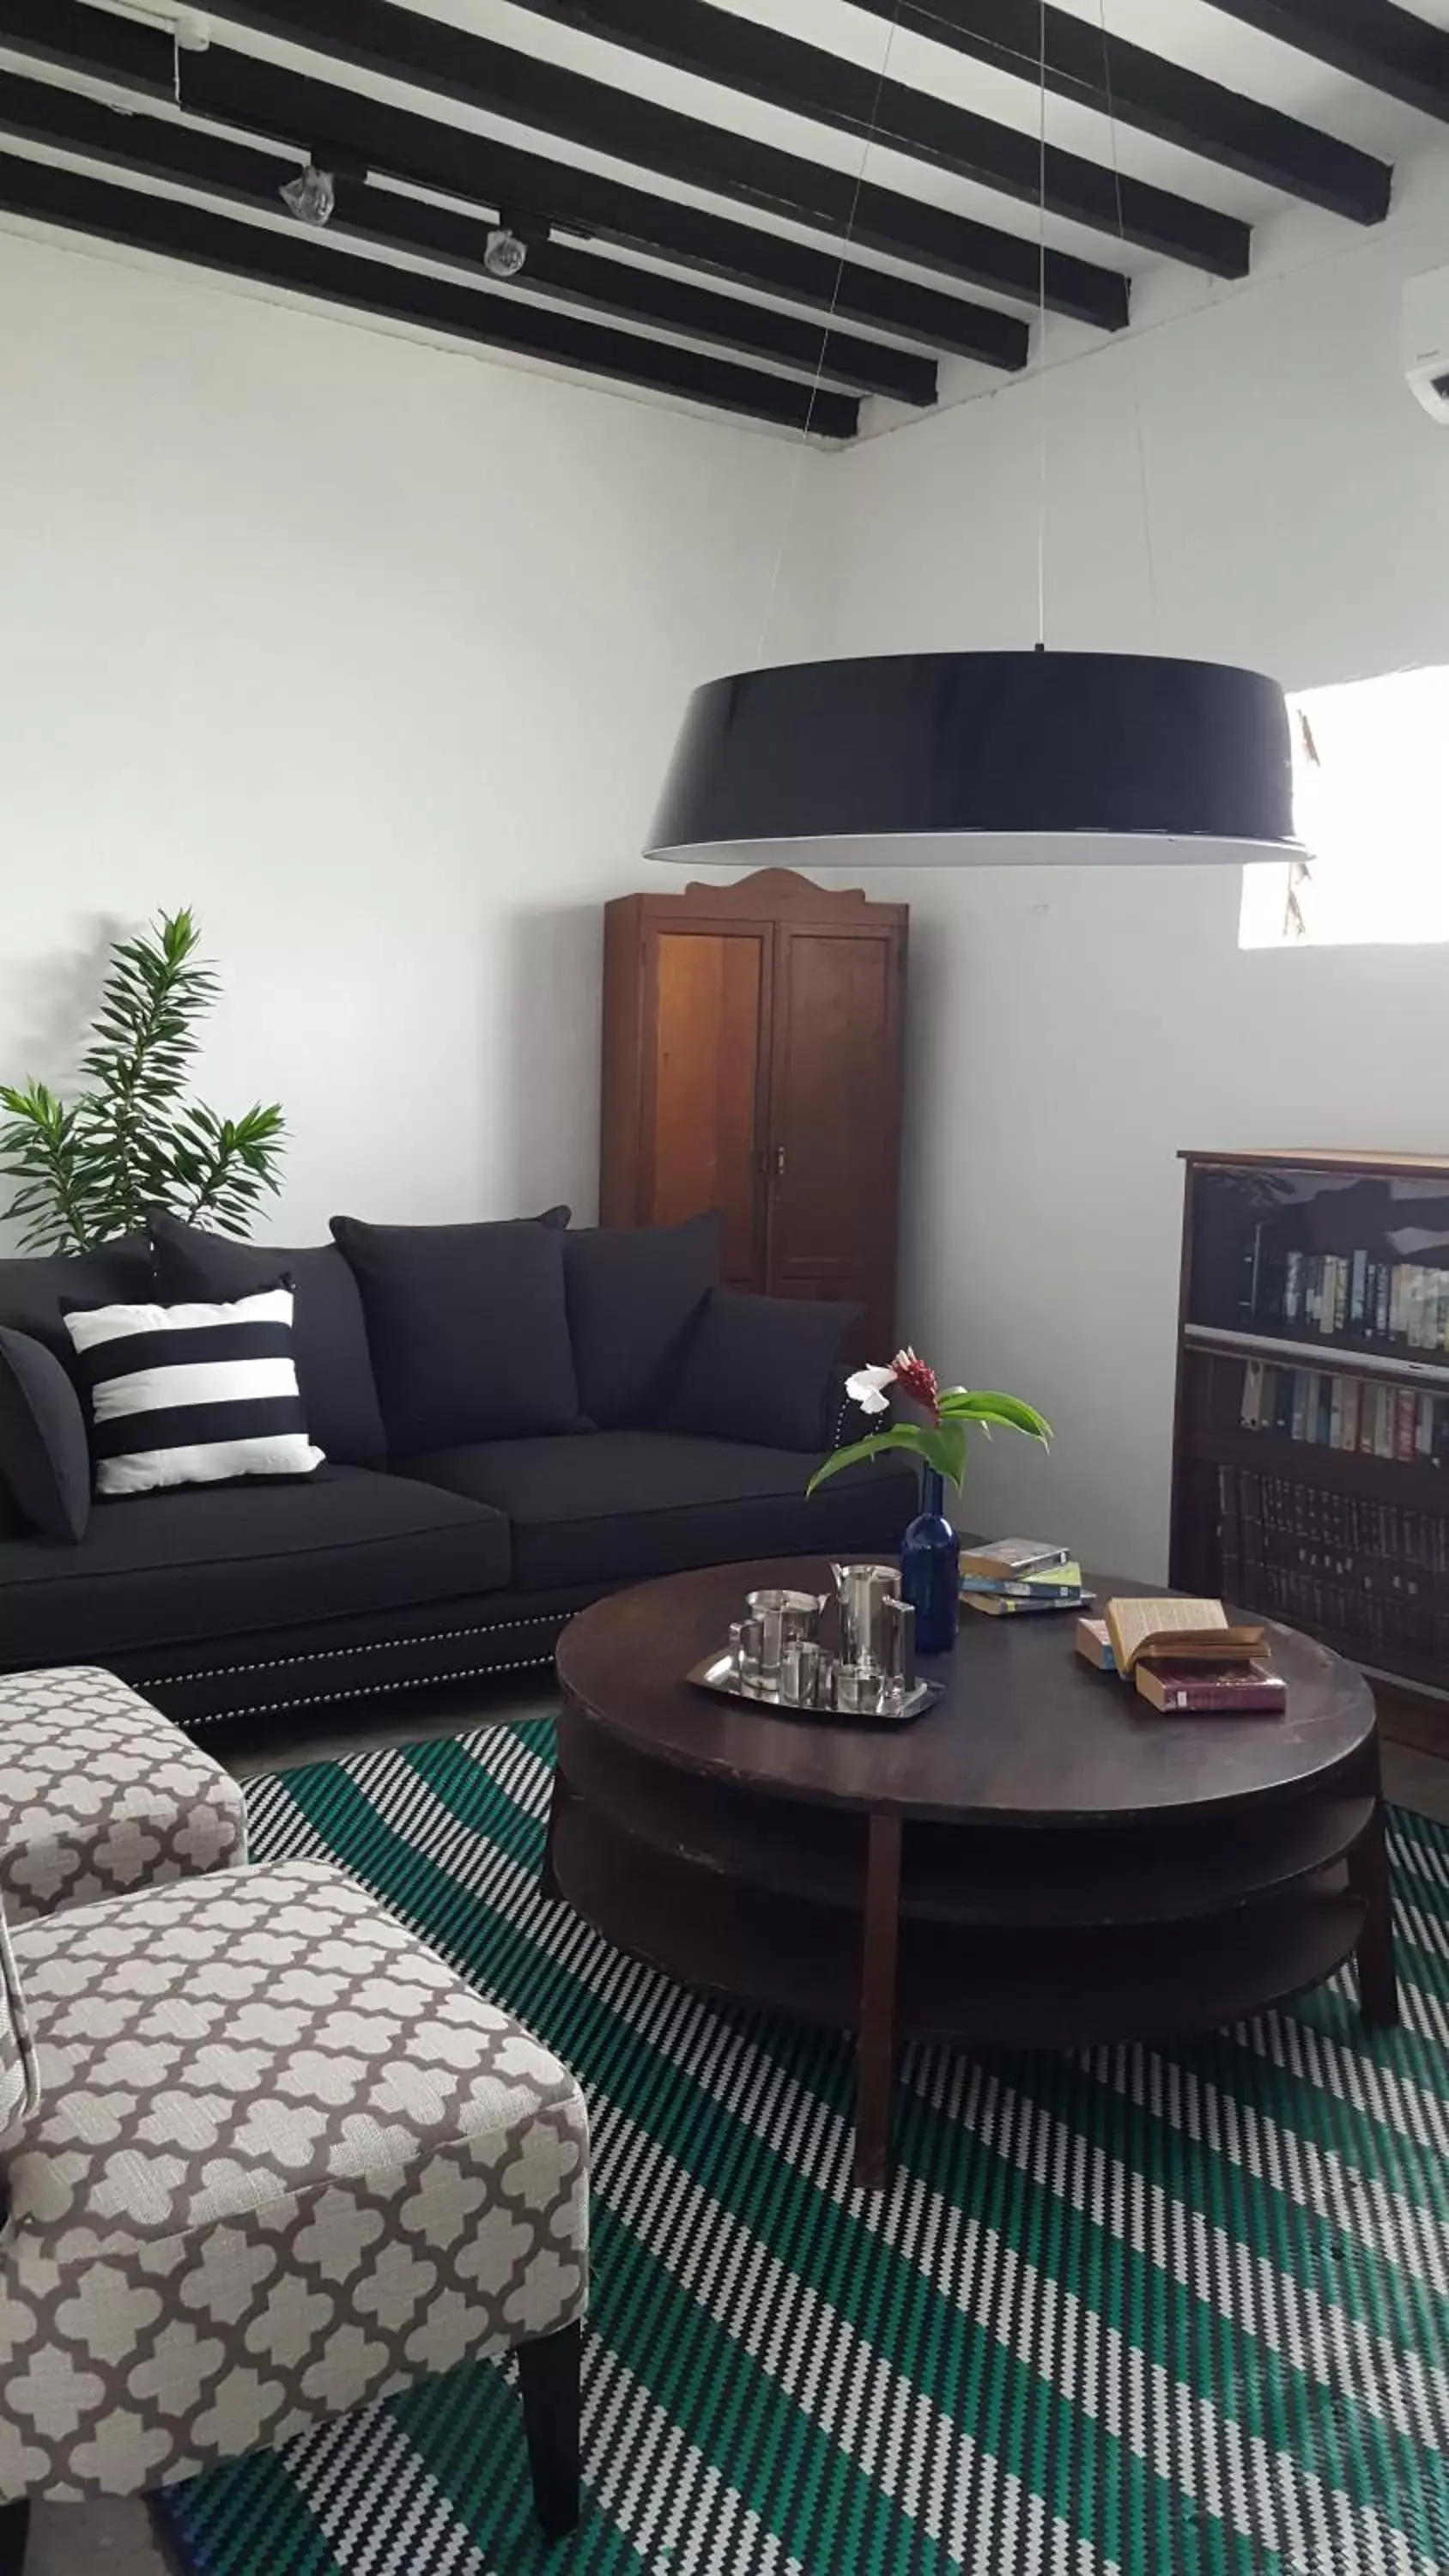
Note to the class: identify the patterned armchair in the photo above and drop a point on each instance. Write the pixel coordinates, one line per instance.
(266, 2158)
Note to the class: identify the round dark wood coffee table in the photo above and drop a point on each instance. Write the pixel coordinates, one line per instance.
(1041, 1861)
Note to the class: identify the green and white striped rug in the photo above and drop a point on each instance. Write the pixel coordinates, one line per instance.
(1175, 2315)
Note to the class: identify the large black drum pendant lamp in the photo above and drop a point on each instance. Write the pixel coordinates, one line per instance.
(981, 759)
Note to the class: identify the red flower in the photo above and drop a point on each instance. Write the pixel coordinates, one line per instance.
(917, 1380)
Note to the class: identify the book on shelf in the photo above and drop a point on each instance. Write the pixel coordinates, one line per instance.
(1179, 1631)
(1358, 1293)
(1213, 1690)
(1372, 1573)
(1012, 1559)
(1339, 1411)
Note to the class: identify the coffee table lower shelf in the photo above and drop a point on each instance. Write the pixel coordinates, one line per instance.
(983, 1987)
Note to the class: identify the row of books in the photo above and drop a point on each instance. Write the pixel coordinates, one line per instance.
(1375, 1575)
(1404, 1302)
(1335, 1412)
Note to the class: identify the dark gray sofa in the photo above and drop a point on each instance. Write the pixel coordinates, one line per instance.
(261, 1596)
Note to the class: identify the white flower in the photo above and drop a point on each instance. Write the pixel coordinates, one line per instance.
(868, 1388)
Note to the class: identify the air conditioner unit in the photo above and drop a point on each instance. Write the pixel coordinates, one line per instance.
(1426, 342)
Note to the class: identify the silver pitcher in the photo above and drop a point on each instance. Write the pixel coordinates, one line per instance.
(786, 1618)
(862, 1592)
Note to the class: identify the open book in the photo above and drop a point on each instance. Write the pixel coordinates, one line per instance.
(1178, 1632)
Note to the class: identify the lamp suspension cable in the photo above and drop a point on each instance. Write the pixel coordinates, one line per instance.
(792, 500)
(1041, 327)
(1130, 355)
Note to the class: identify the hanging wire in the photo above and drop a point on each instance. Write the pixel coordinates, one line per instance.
(1153, 603)
(1041, 329)
(793, 496)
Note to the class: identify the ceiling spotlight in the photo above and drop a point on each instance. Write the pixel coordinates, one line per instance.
(505, 252)
(311, 196)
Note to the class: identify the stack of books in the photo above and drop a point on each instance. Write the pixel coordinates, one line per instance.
(1186, 1658)
(1009, 1576)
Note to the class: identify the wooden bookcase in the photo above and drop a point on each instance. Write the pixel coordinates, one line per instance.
(1311, 1449)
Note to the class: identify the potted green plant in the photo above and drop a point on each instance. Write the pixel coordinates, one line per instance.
(930, 1549)
(88, 1170)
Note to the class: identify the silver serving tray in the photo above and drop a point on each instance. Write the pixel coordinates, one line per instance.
(718, 1673)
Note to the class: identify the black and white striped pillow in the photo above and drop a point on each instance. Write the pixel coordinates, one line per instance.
(185, 1395)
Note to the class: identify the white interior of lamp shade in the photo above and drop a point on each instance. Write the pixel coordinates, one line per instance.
(984, 850)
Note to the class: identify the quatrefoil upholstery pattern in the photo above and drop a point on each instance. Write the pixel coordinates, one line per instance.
(100, 1793)
(285, 2163)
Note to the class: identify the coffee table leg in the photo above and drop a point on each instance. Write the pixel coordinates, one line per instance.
(875, 2054)
(1368, 1876)
(547, 1880)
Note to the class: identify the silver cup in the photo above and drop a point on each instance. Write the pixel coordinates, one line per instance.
(786, 1618)
(800, 1662)
(751, 1646)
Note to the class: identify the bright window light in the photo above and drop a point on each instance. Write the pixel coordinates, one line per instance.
(1371, 763)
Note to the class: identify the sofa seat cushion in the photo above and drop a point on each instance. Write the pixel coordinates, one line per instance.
(232, 1561)
(286, 2163)
(615, 1506)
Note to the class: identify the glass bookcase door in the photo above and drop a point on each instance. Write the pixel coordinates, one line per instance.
(1348, 1259)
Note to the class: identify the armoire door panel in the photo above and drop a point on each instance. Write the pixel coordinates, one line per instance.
(706, 1089)
(835, 1112)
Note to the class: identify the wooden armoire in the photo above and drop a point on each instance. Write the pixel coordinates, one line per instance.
(752, 1062)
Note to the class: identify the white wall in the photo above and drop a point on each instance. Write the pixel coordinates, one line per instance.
(1070, 1032)
(373, 653)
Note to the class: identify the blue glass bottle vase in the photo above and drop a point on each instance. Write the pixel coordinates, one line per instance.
(931, 1570)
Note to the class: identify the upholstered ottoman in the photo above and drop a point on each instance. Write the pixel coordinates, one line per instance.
(99, 1793)
(284, 2162)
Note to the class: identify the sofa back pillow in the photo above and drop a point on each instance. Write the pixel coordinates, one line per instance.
(634, 1293)
(192, 1395)
(467, 1327)
(334, 1366)
(45, 1459)
(35, 1287)
(763, 1369)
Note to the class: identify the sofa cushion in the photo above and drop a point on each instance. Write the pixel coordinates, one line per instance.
(761, 1368)
(192, 1395)
(633, 1294)
(334, 1369)
(614, 1506)
(45, 1460)
(467, 1327)
(232, 1561)
(34, 1289)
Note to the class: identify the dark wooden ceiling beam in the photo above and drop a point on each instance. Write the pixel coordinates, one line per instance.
(1181, 107)
(1386, 48)
(719, 45)
(291, 108)
(401, 44)
(66, 33)
(155, 147)
(262, 98)
(306, 263)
